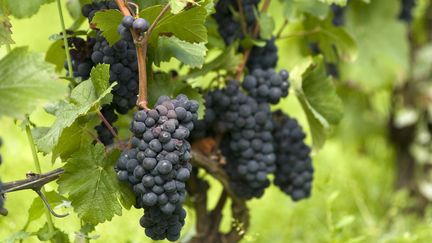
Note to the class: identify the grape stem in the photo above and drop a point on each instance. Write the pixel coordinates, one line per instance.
(255, 32)
(141, 44)
(208, 223)
(65, 42)
(108, 125)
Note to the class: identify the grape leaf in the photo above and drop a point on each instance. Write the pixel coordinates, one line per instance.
(317, 95)
(56, 55)
(108, 21)
(191, 54)
(24, 8)
(337, 2)
(74, 8)
(330, 37)
(177, 5)
(25, 82)
(84, 98)
(381, 62)
(187, 25)
(89, 180)
(55, 235)
(293, 8)
(18, 236)
(228, 60)
(267, 26)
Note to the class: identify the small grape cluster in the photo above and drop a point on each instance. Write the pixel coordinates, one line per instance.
(80, 51)
(294, 172)
(229, 26)
(263, 57)
(89, 10)
(267, 85)
(338, 15)
(157, 165)
(406, 10)
(247, 140)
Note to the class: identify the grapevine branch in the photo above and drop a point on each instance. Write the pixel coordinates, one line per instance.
(141, 44)
(208, 222)
(255, 32)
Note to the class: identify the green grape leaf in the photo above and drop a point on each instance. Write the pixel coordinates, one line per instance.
(330, 37)
(89, 180)
(83, 99)
(317, 95)
(24, 8)
(214, 38)
(5, 28)
(191, 54)
(108, 21)
(293, 8)
(18, 236)
(267, 26)
(37, 208)
(177, 5)
(228, 60)
(26, 81)
(188, 25)
(55, 235)
(380, 62)
(74, 8)
(56, 55)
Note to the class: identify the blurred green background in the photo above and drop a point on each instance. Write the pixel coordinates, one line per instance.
(353, 197)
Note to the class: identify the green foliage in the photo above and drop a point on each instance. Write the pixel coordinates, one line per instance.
(83, 99)
(108, 22)
(26, 81)
(56, 55)
(187, 25)
(191, 54)
(90, 180)
(318, 97)
(381, 62)
(23, 8)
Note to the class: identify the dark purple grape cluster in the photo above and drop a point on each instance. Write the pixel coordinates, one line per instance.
(263, 57)
(406, 10)
(338, 15)
(89, 10)
(157, 165)
(80, 51)
(294, 169)
(247, 140)
(159, 225)
(229, 26)
(123, 69)
(267, 85)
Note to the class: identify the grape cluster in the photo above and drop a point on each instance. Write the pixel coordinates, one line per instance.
(294, 172)
(157, 165)
(123, 69)
(80, 51)
(267, 85)
(229, 26)
(89, 10)
(406, 10)
(263, 57)
(247, 140)
(338, 15)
